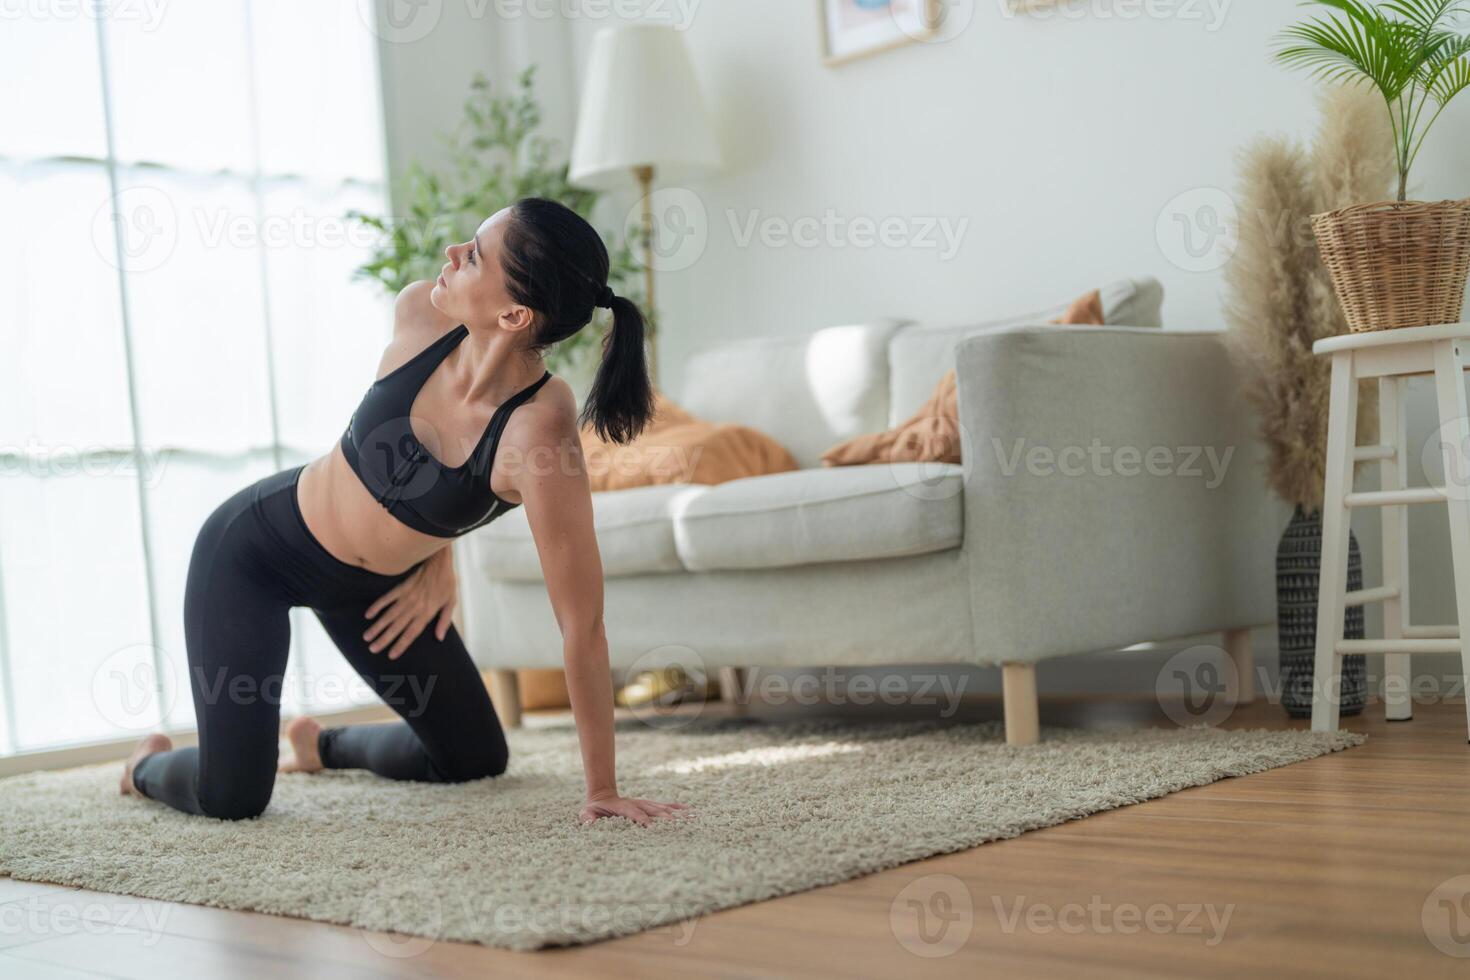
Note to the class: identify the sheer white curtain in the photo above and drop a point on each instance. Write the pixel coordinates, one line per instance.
(177, 319)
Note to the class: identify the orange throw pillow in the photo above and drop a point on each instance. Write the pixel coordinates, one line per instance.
(678, 448)
(932, 435)
(1085, 309)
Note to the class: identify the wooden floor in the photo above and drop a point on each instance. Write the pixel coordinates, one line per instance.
(1321, 869)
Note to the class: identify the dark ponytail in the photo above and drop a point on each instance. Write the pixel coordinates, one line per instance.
(621, 400)
(556, 264)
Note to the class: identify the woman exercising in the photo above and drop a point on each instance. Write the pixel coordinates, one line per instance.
(463, 423)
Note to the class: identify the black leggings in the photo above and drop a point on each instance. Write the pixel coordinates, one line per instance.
(253, 561)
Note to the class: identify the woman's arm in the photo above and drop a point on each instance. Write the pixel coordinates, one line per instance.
(558, 501)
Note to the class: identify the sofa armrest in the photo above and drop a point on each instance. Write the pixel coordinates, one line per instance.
(1114, 491)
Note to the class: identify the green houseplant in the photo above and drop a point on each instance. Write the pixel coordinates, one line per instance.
(495, 157)
(1400, 263)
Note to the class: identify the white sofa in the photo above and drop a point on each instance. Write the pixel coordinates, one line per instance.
(1087, 514)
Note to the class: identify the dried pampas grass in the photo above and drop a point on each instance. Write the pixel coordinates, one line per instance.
(1281, 299)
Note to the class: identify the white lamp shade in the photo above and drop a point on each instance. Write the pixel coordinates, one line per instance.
(641, 106)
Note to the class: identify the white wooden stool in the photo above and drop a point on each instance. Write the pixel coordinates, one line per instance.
(1390, 356)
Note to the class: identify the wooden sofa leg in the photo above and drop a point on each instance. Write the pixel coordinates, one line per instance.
(1238, 649)
(505, 693)
(732, 686)
(1018, 684)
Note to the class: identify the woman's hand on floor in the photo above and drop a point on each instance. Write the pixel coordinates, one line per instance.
(643, 812)
(406, 609)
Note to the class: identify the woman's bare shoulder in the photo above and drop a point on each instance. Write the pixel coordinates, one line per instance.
(542, 431)
(546, 420)
(417, 323)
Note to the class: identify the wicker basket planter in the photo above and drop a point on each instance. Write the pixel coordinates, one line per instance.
(1397, 264)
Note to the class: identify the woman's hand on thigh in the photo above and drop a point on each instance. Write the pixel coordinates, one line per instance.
(402, 613)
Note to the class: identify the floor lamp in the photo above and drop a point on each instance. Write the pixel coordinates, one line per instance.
(641, 116)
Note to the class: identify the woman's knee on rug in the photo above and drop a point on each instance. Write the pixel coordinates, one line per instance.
(480, 757)
(241, 793)
(237, 804)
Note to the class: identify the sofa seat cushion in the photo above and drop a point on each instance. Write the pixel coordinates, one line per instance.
(845, 513)
(634, 535)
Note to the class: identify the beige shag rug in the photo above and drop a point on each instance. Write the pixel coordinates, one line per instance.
(779, 809)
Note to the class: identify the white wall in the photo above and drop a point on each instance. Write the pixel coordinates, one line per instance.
(1061, 141)
(430, 53)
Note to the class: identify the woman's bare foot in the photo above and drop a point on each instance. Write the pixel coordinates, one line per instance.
(302, 733)
(149, 745)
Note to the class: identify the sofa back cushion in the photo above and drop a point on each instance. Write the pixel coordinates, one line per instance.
(920, 356)
(808, 391)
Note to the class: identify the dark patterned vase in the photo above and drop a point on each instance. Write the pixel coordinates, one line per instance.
(1298, 575)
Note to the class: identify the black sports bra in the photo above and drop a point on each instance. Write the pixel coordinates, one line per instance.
(401, 473)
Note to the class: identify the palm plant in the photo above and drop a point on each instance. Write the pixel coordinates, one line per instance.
(1406, 49)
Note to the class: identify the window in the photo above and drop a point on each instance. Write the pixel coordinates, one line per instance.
(177, 320)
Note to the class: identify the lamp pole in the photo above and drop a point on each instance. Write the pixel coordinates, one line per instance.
(644, 174)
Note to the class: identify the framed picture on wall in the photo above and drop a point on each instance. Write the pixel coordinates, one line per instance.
(855, 28)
